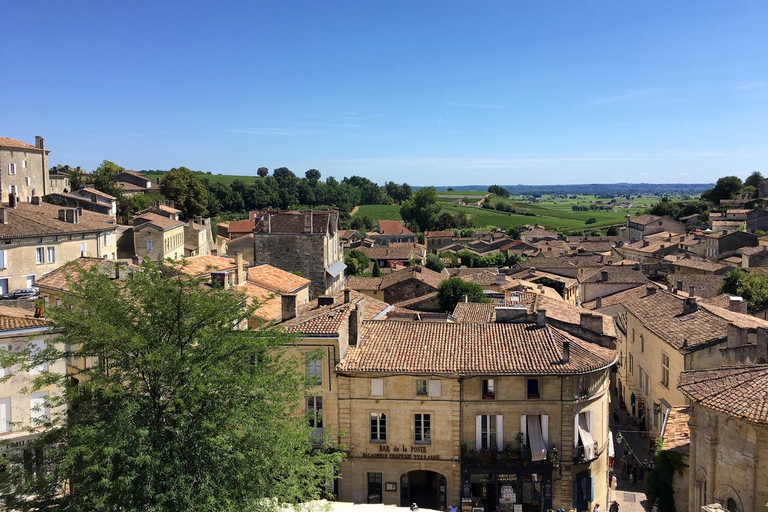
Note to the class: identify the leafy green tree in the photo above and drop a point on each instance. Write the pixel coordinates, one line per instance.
(376, 269)
(725, 188)
(751, 287)
(434, 263)
(75, 178)
(262, 172)
(180, 411)
(754, 179)
(453, 290)
(612, 231)
(422, 209)
(104, 178)
(498, 190)
(357, 262)
(185, 189)
(313, 176)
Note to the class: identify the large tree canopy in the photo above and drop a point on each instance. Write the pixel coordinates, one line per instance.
(104, 178)
(451, 291)
(422, 209)
(180, 410)
(186, 190)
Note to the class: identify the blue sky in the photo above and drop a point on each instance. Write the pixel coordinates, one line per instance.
(418, 91)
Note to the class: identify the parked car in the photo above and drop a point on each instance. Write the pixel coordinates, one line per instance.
(28, 293)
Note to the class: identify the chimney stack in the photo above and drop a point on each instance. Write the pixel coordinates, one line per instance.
(39, 142)
(690, 305)
(604, 275)
(591, 322)
(566, 352)
(288, 306)
(347, 295)
(598, 302)
(541, 318)
(737, 304)
(691, 291)
(240, 274)
(680, 285)
(650, 290)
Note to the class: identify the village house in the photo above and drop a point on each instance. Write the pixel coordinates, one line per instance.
(722, 244)
(86, 198)
(609, 280)
(687, 264)
(22, 413)
(391, 231)
(667, 334)
(567, 287)
(36, 238)
(132, 182)
(646, 224)
(728, 436)
(158, 237)
(23, 169)
(436, 240)
(531, 432)
(394, 253)
(306, 242)
(652, 248)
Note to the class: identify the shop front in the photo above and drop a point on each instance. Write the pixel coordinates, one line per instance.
(511, 488)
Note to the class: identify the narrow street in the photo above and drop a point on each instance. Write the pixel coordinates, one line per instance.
(629, 495)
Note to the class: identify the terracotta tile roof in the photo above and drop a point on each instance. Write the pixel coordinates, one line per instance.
(393, 227)
(645, 219)
(464, 271)
(527, 275)
(158, 221)
(485, 278)
(363, 283)
(751, 251)
(99, 193)
(521, 285)
(698, 264)
(395, 251)
(470, 349)
(28, 220)
(557, 310)
(438, 234)
(315, 320)
(677, 433)
(622, 297)
(616, 275)
(7, 142)
(17, 318)
(345, 234)
(662, 314)
(59, 279)
(739, 392)
(136, 174)
(704, 286)
(276, 280)
(418, 303)
(241, 226)
(201, 265)
(126, 185)
(423, 274)
(566, 262)
(738, 319)
(270, 304)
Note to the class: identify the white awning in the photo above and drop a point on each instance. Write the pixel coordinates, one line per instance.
(586, 438)
(536, 439)
(336, 269)
(611, 452)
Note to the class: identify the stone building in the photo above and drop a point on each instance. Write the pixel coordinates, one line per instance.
(305, 242)
(446, 414)
(728, 458)
(39, 237)
(22, 412)
(23, 169)
(646, 224)
(158, 237)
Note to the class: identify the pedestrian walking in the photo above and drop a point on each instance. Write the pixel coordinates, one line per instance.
(596, 508)
(633, 473)
(625, 465)
(614, 482)
(614, 507)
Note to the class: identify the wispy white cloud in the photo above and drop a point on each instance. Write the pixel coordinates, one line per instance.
(627, 96)
(473, 105)
(751, 86)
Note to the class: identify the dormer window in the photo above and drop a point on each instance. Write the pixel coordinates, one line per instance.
(489, 389)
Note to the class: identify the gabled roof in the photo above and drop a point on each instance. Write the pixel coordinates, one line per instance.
(12, 319)
(739, 392)
(158, 221)
(363, 283)
(27, 219)
(163, 208)
(393, 227)
(698, 264)
(312, 319)
(59, 280)
(241, 226)
(276, 280)
(438, 234)
(201, 265)
(93, 191)
(677, 433)
(394, 251)
(7, 142)
(615, 275)
(470, 349)
(622, 297)
(423, 274)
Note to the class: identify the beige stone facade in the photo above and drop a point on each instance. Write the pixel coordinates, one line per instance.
(157, 237)
(38, 238)
(23, 169)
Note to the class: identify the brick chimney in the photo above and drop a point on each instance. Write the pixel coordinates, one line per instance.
(566, 352)
(591, 322)
(737, 304)
(240, 272)
(691, 291)
(39, 142)
(604, 275)
(541, 318)
(690, 305)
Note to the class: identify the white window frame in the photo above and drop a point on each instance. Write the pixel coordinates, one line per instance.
(5, 414)
(50, 254)
(39, 255)
(3, 259)
(489, 431)
(11, 168)
(664, 370)
(422, 388)
(37, 409)
(422, 426)
(313, 368)
(150, 245)
(377, 427)
(83, 249)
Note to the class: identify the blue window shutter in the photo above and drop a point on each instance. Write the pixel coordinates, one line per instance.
(591, 488)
